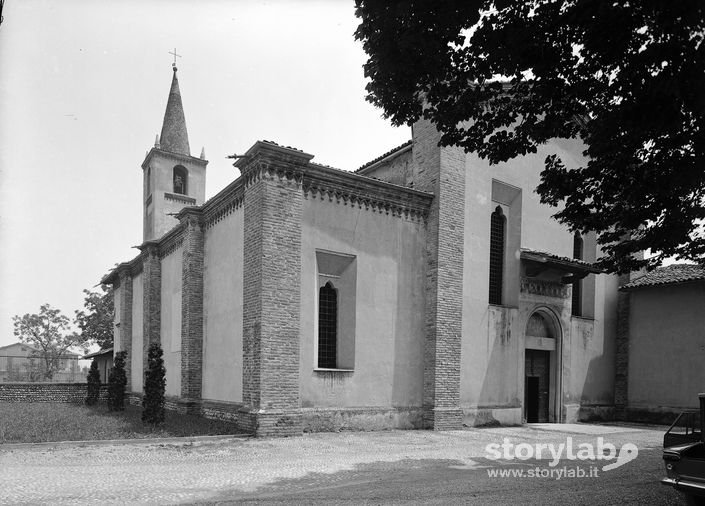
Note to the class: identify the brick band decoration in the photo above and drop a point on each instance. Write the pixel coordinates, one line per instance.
(151, 297)
(191, 307)
(621, 360)
(125, 329)
(444, 175)
(271, 298)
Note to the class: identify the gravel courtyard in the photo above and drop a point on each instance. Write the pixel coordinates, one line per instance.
(213, 470)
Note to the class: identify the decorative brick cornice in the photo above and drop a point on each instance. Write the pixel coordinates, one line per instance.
(271, 161)
(172, 241)
(190, 215)
(224, 203)
(178, 157)
(133, 267)
(355, 190)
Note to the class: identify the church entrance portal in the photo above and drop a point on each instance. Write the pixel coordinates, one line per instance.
(541, 369)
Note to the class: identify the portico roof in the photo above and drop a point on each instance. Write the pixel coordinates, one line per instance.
(540, 261)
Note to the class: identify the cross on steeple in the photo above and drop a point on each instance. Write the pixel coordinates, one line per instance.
(175, 55)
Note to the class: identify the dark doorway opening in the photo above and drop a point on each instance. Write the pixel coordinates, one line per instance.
(536, 386)
(532, 398)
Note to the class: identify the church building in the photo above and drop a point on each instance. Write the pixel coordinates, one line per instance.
(423, 290)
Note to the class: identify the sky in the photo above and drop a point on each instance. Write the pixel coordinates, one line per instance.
(83, 89)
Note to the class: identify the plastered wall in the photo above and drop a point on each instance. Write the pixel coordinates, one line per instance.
(666, 346)
(171, 320)
(222, 306)
(389, 334)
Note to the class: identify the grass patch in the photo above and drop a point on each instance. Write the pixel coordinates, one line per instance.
(22, 422)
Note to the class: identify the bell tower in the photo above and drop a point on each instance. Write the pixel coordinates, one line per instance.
(173, 179)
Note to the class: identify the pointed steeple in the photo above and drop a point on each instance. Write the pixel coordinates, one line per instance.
(174, 137)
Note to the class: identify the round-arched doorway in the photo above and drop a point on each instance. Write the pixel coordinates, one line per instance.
(542, 367)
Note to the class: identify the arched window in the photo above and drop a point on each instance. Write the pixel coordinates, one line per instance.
(180, 180)
(328, 327)
(497, 232)
(577, 302)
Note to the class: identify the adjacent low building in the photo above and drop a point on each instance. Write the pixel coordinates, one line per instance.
(104, 361)
(665, 366)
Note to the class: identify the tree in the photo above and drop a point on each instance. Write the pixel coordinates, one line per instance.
(93, 384)
(500, 78)
(117, 381)
(95, 321)
(49, 332)
(154, 386)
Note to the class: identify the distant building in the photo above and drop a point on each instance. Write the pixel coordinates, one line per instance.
(23, 362)
(427, 289)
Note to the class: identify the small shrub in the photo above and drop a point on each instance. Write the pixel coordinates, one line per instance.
(117, 383)
(93, 384)
(154, 385)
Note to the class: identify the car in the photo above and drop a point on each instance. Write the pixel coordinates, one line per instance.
(684, 454)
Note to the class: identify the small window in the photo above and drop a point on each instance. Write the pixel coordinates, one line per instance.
(180, 180)
(149, 180)
(498, 226)
(577, 301)
(328, 327)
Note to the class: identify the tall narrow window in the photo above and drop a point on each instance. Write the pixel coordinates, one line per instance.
(577, 302)
(328, 327)
(180, 180)
(497, 232)
(149, 180)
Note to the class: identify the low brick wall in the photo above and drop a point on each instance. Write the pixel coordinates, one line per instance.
(47, 392)
(233, 412)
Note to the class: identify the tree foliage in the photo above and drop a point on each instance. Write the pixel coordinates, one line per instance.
(500, 78)
(48, 331)
(93, 388)
(117, 382)
(154, 387)
(95, 320)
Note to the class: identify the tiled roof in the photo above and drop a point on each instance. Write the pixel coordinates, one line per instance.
(385, 155)
(107, 351)
(282, 146)
(669, 275)
(528, 252)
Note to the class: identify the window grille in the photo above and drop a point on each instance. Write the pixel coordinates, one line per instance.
(327, 326)
(497, 232)
(577, 302)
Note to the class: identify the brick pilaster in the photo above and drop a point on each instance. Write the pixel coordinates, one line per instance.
(442, 172)
(621, 360)
(151, 300)
(125, 320)
(272, 281)
(191, 305)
